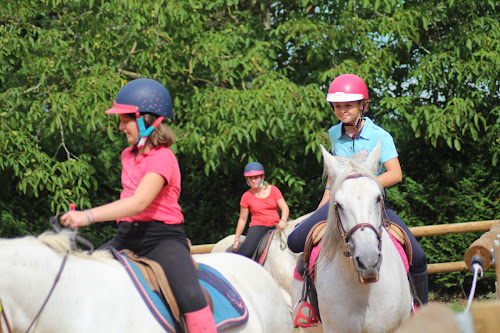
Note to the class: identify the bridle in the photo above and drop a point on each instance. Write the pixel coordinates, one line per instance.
(346, 236)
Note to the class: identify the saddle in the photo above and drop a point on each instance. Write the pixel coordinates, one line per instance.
(158, 282)
(313, 238)
(260, 254)
(401, 236)
(262, 250)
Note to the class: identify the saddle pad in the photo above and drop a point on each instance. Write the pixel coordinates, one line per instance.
(260, 254)
(229, 308)
(312, 260)
(401, 252)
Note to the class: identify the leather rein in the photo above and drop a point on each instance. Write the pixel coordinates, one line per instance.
(56, 280)
(346, 236)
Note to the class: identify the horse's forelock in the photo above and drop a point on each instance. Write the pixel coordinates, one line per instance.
(353, 166)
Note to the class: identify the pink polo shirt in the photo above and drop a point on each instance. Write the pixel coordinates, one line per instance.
(165, 207)
(264, 211)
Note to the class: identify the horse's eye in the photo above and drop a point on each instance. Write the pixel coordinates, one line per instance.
(339, 206)
(379, 198)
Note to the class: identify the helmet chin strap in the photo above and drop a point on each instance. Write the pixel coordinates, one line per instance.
(143, 131)
(358, 122)
(260, 185)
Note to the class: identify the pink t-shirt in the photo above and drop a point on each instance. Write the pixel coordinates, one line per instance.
(165, 207)
(264, 211)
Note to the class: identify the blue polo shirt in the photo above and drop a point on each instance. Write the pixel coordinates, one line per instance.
(363, 142)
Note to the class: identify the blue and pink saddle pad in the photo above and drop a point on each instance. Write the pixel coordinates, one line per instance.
(228, 306)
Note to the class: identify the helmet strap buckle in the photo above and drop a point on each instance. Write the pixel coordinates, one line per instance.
(143, 132)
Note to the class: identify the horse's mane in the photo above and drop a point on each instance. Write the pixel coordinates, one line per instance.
(351, 166)
(61, 242)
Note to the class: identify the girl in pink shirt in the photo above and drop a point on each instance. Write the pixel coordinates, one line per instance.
(262, 201)
(150, 221)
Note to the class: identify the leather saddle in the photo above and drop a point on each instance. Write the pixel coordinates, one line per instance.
(156, 279)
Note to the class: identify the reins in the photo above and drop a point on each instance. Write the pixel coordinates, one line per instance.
(283, 239)
(74, 239)
(56, 280)
(4, 316)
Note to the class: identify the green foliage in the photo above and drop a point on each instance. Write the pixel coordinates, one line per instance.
(249, 80)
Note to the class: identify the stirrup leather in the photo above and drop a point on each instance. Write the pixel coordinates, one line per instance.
(305, 315)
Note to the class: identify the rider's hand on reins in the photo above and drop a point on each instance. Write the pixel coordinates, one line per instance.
(281, 225)
(75, 219)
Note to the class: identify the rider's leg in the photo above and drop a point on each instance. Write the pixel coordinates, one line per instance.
(297, 238)
(172, 253)
(418, 269)
(304, 313)
(252, 239)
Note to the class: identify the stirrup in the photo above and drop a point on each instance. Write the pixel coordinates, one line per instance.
(304, 315)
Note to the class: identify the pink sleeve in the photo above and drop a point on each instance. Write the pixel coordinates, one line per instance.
(164, 164)
(244, 200)
(277, 193)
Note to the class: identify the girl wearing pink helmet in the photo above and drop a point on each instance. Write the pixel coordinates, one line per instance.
(356, 133)
(262, 201)
(149, 217)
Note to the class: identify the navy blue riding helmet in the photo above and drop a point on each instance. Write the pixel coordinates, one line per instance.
(143, 96)
(253, 169)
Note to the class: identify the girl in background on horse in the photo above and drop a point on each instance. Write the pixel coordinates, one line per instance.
(149, 217)
(356, 133)
(262, 200)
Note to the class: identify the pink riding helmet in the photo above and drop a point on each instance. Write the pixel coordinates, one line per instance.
(347, 88)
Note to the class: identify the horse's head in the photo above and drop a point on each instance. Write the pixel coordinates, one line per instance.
(355, 216)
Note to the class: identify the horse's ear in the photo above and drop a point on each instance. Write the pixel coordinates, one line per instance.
(373, 158)
(331, 164)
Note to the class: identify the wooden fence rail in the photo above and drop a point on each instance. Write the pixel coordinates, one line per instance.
(431, 230)
(446, 229)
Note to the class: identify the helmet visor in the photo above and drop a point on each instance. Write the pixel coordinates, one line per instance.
(253, 173)
(341, 97)
(122, 109)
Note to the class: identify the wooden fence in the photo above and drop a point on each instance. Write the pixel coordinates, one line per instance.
(446, 229)
(431, 230)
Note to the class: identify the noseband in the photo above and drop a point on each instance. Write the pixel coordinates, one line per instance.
(360, 226)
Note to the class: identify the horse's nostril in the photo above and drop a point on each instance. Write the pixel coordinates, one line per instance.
(360, 264)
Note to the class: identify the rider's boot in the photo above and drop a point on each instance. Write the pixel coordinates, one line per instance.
(200, 321)
(421, 283)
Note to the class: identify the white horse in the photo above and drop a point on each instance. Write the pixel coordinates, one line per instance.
(280, 261)
(361, 281)
(95, 293)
